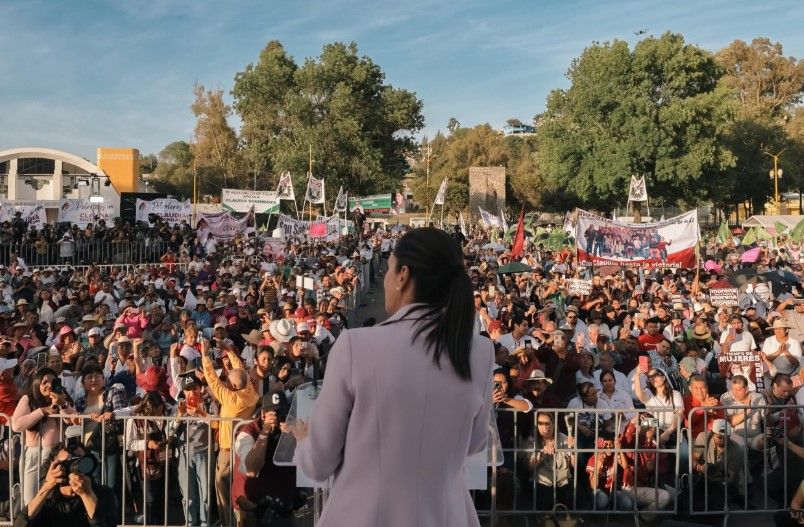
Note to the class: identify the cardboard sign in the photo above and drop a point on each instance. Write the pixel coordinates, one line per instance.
(745, 363)
(725, 297)
(576, 286)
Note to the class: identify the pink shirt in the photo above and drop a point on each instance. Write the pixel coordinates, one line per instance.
(134, 324)
(25, 419)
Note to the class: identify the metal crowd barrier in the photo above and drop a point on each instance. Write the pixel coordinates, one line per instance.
(521, 489)
(86, 252)
(755, 476)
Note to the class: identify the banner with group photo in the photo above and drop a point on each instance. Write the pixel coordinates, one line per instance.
(379, 203)
(263, 201)
(33, 215)
(82, 213)
(171, 211)
(670, 243)
(225, 226)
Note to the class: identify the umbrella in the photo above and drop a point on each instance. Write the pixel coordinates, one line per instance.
(745, 276)
(779, 284)
(751, 255)
(781, 276)
(495, 246)
(515, 267)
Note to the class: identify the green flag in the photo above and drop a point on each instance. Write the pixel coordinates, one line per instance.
(723, 233)
(750, 237)
(763, 234)
(798, 232)
(780, 228)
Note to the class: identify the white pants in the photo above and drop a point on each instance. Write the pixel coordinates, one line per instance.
(30, 464)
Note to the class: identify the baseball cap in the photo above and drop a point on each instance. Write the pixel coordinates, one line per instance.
(274, 401)
(93, 331)
(720, 426)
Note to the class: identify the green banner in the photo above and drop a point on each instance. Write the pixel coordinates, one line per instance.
(377, 203)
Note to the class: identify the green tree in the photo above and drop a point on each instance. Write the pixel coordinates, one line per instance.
(654, 110)
(360, 128)
(452, 157)
(174, 170)
(766, 87)
(215, 144)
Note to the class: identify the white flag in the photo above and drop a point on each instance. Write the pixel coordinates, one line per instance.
(463, 224)
(190, 301)
(637, 190)
(284, 191)
(340, 200)
(442, 191)
(315, 189)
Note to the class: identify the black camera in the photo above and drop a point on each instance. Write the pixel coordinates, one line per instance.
(56, 386)
(85, 465)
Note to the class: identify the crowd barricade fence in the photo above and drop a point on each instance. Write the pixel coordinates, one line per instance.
(161, 493)
(175, 486)
(757, 474)
(522, 487)
(86, 252)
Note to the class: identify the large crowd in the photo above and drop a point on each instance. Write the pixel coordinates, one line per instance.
(196, 359)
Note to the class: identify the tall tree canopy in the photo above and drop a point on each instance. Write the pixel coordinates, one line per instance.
(767, 87)
(215, 145)
(360, 128)
(655, 110)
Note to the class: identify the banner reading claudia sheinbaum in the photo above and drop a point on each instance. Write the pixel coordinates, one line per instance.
(263, 201)
(670, 243)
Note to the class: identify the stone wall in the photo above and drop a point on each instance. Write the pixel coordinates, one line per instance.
(486, 189)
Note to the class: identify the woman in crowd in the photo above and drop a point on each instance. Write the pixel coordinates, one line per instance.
(611, 396)
(100, 404)
(552, 463)
(33, 415)
(662, 400)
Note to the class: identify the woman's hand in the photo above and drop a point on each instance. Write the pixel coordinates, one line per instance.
(299, 429)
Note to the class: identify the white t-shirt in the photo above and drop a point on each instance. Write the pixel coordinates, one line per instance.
(665, 417)
(742, 342)
(621, 381)
(782, 364)
(511, 344)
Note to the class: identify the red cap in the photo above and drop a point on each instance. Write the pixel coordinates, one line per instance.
(301, 313)
(232, 321)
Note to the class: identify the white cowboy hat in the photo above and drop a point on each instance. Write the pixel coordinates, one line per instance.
(283, 330)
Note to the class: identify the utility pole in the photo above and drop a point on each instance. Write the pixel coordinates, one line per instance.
(428, 156)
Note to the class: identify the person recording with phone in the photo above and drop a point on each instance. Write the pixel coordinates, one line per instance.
(33, 413)
(67, 495)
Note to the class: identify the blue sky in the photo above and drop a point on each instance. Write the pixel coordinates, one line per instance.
(79, 74)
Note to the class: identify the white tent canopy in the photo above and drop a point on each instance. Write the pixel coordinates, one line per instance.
(769, 222)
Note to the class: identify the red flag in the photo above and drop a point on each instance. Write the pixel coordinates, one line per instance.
(519, 237)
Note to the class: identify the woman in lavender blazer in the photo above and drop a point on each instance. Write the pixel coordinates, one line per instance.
(406, 402)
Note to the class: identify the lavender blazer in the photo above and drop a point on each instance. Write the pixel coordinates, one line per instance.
(395, 430)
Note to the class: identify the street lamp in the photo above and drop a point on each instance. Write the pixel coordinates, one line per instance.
(775, 174)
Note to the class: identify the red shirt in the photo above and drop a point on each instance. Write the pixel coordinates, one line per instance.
(696, 424)
(647, 342)
(606, 473)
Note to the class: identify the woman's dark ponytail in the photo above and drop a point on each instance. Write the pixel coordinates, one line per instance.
(444, 290)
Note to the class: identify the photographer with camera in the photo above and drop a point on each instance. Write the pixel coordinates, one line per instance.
(67, 495)
(720, 461)
(33, 413)
(261, 487)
